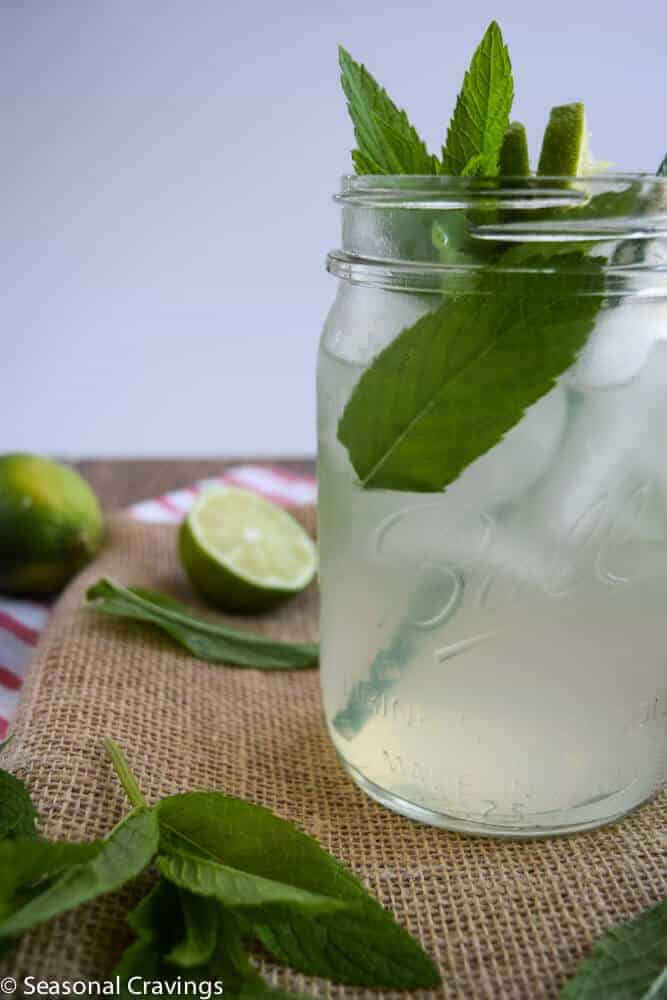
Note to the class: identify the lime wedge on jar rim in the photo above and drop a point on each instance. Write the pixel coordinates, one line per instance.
(244, 553)
(565, 148)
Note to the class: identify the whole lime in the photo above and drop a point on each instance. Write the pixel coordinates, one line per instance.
(50, 524)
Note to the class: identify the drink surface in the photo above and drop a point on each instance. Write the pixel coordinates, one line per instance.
(493, 655)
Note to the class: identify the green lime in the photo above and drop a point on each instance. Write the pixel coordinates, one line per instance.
(565, 147)
(514, 160)
(50, 524)
(244, 553)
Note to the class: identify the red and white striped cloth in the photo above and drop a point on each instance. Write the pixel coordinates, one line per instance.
(21, 622)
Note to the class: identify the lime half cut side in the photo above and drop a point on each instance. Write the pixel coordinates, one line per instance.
(244, 553)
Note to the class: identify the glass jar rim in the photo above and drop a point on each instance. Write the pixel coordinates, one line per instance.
(444, 191)
(602, 212)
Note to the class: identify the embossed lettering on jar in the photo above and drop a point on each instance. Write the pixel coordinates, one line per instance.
(494, 604)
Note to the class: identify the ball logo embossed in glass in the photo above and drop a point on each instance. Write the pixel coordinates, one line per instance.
(492, 648)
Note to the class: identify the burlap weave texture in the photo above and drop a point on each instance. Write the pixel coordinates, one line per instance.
(503, 919)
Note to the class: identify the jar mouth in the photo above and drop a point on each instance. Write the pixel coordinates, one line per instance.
(419, 231)
(440, 191)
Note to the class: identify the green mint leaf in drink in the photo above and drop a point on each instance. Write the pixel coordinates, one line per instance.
(17, 812)
(387, 143)
(205, 639)
(449, 387)
(82, 871)
(628, 963)
(514, 160)
(481, 117)
(662, 169)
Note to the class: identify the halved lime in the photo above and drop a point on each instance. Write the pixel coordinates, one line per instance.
(565, 147)
(244, 553)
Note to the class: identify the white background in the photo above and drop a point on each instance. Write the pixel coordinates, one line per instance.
(168, 168)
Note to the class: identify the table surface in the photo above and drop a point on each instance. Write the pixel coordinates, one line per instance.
(119, 482)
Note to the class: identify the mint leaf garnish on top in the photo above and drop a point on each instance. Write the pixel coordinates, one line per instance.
(448, 388)
(662, 169)
(481, 117)
(628, 963)
(387, 142)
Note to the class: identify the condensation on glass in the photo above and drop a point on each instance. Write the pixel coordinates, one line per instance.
(493, 656)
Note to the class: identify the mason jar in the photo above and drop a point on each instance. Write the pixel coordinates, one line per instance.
(492, 411)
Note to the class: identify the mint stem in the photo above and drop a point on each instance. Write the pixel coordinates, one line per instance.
(125, 776)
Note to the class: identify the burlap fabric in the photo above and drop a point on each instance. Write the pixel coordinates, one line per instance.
(503, 919)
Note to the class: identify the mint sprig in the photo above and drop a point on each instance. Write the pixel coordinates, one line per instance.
(481, 117)
(387, 142)
(662, 169)
(230, 874)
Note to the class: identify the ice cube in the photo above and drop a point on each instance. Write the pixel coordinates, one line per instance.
(620, 343)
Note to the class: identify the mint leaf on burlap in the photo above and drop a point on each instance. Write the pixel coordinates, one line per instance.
(449, 387)
(205, 639)
(387, 142)
(270, 882)
(17, 812)
(481, 116)
(359, 944)
(233, 887)
(200, 930)
(183, 936)
(628, 963)
(49, 878)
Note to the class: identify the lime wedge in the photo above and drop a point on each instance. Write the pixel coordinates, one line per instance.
(244, 553)
(565, 148)
(514, 160)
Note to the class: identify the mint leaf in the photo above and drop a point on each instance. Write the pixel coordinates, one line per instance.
(449, 387)
(205, 639)
(17, 812)
(629, 962)
(361, 944)
(176, 931)
(200, 931)
(662, 169)
(481, 117)
(86, 870)
(387, 142)
(232, 886)
(363, 948)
